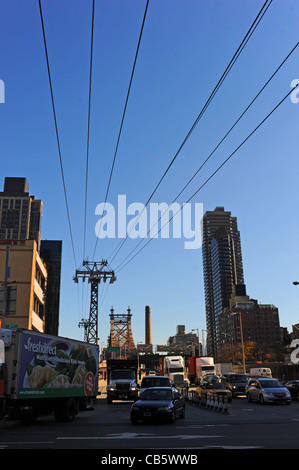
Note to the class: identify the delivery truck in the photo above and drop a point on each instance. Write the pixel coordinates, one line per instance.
(223, 368)
(122, 379)
(204, 367)
(42, 374)
(174, 369)
(192, 369)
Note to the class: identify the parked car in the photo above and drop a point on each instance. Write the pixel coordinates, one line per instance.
(158, 403)
(267, 390)
(150, 381)
(293, 388)
(151, 372)
(236, 383)
(216, 388)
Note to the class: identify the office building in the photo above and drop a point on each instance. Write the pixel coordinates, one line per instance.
(50, 253)
(223, 268)
(20, 213)
(28, 279)
(249, 320)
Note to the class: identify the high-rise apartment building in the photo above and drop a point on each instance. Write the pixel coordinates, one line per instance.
(223, 268)
(20, 213)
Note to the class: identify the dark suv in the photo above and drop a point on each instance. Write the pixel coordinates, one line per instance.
(236, 383)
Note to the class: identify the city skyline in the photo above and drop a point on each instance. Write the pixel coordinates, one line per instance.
(185, 48)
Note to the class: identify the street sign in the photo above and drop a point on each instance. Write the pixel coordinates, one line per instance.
(113, 349)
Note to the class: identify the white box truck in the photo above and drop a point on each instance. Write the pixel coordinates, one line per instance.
(204, 367)
(174, 368)
(223, 367)
(260, 372)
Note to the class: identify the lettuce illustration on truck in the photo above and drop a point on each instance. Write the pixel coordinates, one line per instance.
(62, 370)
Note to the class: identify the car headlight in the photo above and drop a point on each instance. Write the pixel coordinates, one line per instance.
(133, 389)
(111, 389)
(164, 408)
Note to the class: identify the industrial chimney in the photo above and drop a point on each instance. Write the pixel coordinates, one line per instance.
(148, 333)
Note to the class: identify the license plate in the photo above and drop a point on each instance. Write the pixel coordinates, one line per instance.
(122, 396)
(147, 413)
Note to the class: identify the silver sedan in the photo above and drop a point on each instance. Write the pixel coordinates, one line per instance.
(267, 390)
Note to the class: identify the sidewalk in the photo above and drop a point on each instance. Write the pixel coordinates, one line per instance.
(102, 387)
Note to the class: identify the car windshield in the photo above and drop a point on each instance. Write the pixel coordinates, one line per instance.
(215, 385)
(122, 374)
(270, 384)
(155, 382)
(156, 394)
(238, 378)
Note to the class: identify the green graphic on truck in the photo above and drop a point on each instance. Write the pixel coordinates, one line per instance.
(56, 367)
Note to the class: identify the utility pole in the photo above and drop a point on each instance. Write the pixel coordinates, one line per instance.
(94, 272)
(7, 274)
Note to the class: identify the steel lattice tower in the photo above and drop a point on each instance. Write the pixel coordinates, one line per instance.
(121, 330)
(94, 272)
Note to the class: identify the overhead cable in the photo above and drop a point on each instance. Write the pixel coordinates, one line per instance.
(221, 80)
(56, 130)
(88, 126)
(217, 146)
(217, 170)
(123, 116)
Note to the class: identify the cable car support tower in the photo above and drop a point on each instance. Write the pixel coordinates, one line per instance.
(94, 272)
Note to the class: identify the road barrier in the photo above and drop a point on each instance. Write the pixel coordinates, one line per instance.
(210, 401)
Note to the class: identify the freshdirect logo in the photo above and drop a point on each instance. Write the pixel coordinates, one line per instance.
(150, 222)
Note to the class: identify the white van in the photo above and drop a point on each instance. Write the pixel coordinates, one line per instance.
(260, 372)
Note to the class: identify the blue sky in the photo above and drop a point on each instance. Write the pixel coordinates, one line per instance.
(185, 48)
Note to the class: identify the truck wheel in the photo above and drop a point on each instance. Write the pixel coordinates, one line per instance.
(172, 418)
(134, 420)
(28, 416)
(65, 411)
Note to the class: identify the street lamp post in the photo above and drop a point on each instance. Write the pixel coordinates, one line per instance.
(242, 341)
(196, 329)
(203, 343)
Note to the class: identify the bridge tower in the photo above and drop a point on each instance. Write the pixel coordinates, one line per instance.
(121, 330)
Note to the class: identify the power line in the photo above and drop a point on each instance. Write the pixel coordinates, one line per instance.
(221, 80)
(217, 146)
(124, 112)
(88, 125)
(56, 130)
(218, 169)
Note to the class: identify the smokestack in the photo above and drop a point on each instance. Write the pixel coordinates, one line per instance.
(148, 333)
